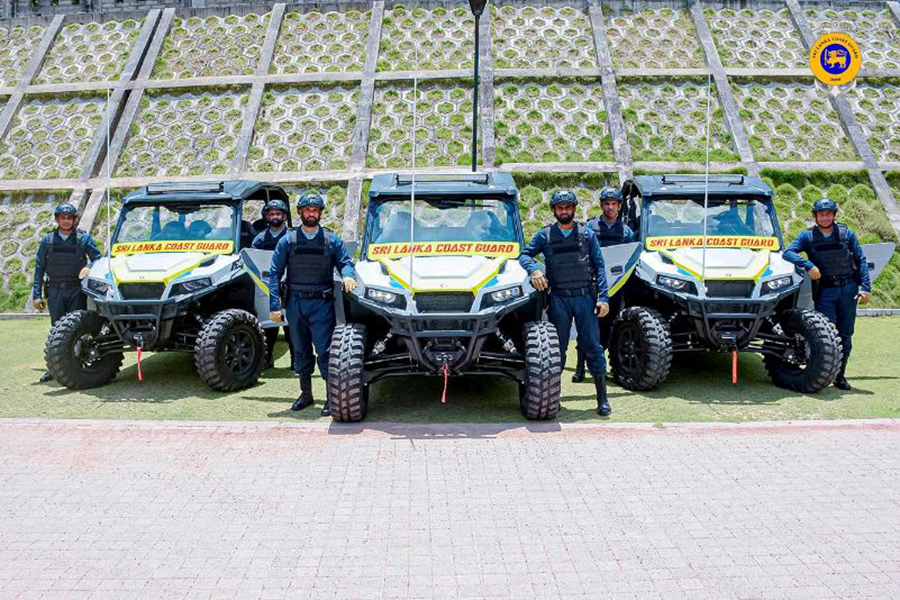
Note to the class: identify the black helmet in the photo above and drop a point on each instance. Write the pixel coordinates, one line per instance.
(274, 205)
(563, 197)
(611, 193)
(824, 204)
(65, 209)
(310, 199)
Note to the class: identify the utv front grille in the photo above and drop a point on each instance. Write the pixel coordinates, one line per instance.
(142, 291)
(433, 302)
(729, 289)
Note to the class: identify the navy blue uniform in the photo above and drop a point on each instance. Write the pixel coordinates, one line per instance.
(61, 260)
(844, 270)
(310, 264)
(266, 240)
(573, 264)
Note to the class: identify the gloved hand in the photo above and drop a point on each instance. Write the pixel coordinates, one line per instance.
(815, 274)
(602, 309)
(275, 315)
(38, 303)
(349, 284)
(84, 272)
(539, 281)
(864, 298)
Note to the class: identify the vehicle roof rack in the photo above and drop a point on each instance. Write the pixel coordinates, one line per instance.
(186, 187)
(733, 179)
(406, 179)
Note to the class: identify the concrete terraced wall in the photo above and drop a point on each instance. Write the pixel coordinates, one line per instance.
(320, 96)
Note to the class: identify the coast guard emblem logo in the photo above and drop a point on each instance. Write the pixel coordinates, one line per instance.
(835, 59)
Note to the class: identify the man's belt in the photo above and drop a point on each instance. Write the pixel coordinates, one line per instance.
(64, 284)
(320, 295)
(837, 282)
(571, 293)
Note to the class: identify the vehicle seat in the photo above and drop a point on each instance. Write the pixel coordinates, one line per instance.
(199, 230)
(173, 230)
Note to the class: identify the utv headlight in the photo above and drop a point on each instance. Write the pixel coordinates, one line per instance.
(381, 296)
(192, 286)
(679, 285)
(98, 286)
(776, 284)
(506, 295)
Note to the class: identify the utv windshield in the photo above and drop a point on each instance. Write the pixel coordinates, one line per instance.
(176, 228)
(731, 222)
(485, 226)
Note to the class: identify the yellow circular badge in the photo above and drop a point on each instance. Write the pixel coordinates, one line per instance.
(835, 59)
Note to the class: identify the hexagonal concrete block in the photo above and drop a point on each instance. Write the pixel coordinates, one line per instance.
(16, 47)
(212, 46)
(653, 39)
(315, 42)
(443, 37)
(89, 52)
(546, 121)
(541, 38)
(759, 39)
(201, 140)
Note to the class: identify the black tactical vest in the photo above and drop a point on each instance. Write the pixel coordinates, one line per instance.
(65, 259)
(568, 260)
(832, 255)
(608, 236)
(310, 266)
(270, 241)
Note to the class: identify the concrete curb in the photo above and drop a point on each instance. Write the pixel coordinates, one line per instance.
(450, 428)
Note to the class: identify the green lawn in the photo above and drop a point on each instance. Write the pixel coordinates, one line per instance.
(699, 389)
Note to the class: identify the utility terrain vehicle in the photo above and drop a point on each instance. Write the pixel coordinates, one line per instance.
(441, 293)
(728, 292)
(179, 277)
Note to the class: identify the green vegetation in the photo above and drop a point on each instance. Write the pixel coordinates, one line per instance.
(699, 389)
(795, 191)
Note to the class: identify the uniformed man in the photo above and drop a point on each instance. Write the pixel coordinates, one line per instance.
(610, 231)
(275, 213)
(310, 254)
(576, 277)
(63, 256)
(838, 269)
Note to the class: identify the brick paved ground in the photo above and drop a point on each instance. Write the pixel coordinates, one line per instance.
(158, 510)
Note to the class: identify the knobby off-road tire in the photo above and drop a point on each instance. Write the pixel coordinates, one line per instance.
(66, 352)
(348, 394)
(824, 349)
(230, 351)
(641, 349)
(539, 395)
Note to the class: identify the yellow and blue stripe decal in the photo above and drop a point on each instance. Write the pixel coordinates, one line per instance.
(256, 277)
(630, 266)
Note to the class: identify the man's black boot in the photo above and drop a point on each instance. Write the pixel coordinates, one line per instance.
(45, 377)
(840, 382)
(603, 408)
(578, 377)
(306, 396)
(326, 409)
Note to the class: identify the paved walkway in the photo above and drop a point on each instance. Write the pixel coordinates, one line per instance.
(162, 510)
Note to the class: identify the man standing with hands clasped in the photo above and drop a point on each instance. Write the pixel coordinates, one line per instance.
(310, 254)
(838, 269)
(63, 256)
(573, 260)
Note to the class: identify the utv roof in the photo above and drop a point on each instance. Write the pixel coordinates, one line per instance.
(467, 183)
(192, 191)
(693, 185)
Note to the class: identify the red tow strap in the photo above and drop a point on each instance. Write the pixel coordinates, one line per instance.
(446, 378)
(734, 355)
(140, 375)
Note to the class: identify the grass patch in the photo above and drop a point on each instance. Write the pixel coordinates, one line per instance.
(699, 389)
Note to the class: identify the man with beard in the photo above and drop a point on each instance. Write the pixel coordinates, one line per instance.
(572, 256)
(610, 231)
(838, 269)
(275, 213)
(63, 256)
(310, 254)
